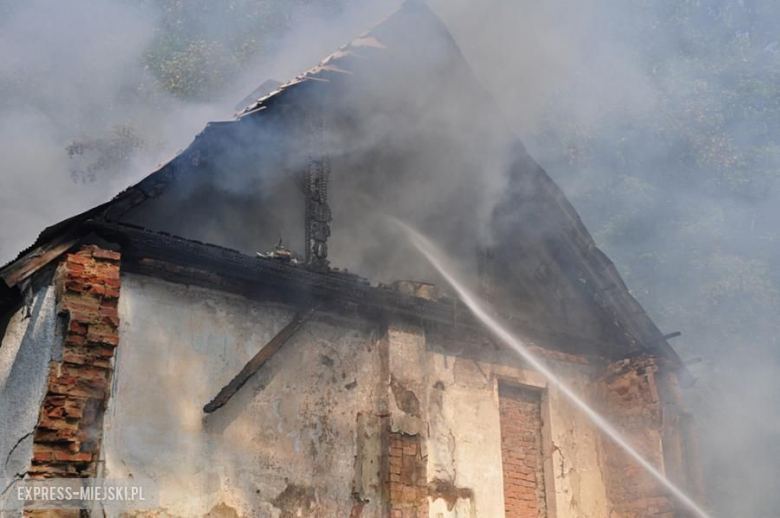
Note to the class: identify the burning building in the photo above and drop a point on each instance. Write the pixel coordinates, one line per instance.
(233, 327)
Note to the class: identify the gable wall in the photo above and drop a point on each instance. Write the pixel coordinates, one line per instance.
(305, 434)
(349, 418)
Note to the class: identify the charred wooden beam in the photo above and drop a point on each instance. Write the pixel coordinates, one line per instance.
(186, 261)
(36, 259)
(259, 359)
(664, 338)
(317, 215)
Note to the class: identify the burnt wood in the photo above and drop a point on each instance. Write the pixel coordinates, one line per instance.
(185, 261)
(259, 359)
(36, 259)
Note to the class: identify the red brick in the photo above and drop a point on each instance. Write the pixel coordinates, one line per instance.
(77, 328)
(407, 480)
(88, 289)
(74, 268)
(630, 398)
(74, 285)
(106, 254)
(72, 457)
(74, 339)
(103, 338)
(43, 456)
(521, 450)
(109, 311)
(79, 259)
(97, 290)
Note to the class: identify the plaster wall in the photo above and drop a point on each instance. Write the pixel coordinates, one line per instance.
(29, 344)
(303, 435)
(464, 444)
(284, 445)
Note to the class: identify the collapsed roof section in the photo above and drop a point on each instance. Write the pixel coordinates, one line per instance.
(392, 123)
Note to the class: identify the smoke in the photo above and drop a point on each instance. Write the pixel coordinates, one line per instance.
(82, 116)
(654, 120)
(479, 309)
(628, 105)
(71, 75)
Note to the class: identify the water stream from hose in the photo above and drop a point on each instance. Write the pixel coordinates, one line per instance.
(430, 251)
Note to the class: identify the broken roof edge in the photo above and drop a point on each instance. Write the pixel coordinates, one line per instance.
(157, 180)
(356, 48)
(161, 177)
(325, 64)
(622, 305)
(608, 283)
(182, 260)
(149, 186)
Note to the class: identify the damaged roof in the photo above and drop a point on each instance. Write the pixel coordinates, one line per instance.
(572, 242)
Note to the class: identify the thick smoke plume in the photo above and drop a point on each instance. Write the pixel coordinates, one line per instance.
(83, 115)
(656, 120)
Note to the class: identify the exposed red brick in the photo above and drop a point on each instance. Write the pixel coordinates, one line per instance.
(74, 268)
(88, 355)
(407, 485)
(110, 255)
(80, 258)
(77, 328)
(66, 440)
(65, 456)
(629, 395)
(521, 452)
(75, 339)
(74, 285)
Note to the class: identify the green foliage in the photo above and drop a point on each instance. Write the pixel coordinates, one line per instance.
(202, 45)
(684, 199)
(691, 171)
(93, 156)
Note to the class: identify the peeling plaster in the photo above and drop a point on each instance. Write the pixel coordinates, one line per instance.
(291, 425)
(29, 344)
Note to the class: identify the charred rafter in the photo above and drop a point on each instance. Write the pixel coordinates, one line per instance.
(317, 214)
(258, 360)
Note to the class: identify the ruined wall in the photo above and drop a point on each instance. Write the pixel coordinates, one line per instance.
(66, 441)
(350, 418)
(287, 444)
(641, 397)
(55, 372)
(452, 404)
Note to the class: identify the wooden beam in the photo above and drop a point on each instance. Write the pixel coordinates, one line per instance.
(265, 354)
(665, 337)
(36, 259)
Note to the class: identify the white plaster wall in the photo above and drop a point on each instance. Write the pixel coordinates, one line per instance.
(25, 353)
(574, 452)
(407, 368)
(292, 424)
(464, 443)
(464, 446)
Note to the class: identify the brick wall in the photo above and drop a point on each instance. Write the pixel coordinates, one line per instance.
(67, 437)
(521, 452)
(407, 481)
(629, 395)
